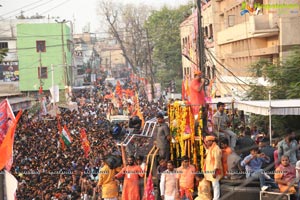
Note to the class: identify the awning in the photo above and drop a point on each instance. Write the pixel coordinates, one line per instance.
(278, 107)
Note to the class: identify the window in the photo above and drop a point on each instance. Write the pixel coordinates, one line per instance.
(69, 43)
(231, 19)
(42, 72)
(211, 32)
(3, 45)
(41, 46)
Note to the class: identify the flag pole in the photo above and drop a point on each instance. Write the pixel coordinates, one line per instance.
(1, 184)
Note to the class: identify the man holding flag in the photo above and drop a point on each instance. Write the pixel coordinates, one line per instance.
(85, 142)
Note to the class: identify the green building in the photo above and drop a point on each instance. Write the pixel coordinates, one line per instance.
(39, 47)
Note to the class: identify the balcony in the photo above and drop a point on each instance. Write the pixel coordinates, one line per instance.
(257, 26)
(254, 52)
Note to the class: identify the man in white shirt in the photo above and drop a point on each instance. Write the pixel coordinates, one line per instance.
(168, 182)
(220, 121)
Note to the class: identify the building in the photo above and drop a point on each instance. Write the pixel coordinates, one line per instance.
(86, 58)
(113, 60)
(45, 55)
(243, 33)
(9, 67)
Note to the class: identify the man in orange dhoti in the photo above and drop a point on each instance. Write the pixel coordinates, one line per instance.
(226, 151)
(197, 95)
(185, 179)
(131, 174)
(213, 170)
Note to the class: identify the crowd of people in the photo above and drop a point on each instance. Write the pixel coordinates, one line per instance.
(46, 171)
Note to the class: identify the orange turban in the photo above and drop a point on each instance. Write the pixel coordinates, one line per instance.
(210, 138)
(197, 72)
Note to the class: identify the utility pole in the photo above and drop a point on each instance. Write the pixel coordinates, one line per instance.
(200, 41)
(40, 73)
(63, 52)
(64, 61)
(2, 185)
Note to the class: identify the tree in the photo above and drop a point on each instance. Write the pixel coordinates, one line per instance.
(284, 81)
(3, 53)
(126, 26)
(164, 34)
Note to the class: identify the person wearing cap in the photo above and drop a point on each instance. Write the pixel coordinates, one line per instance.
(220, 121)
(163, 137)
(197, 95)
(213, 170)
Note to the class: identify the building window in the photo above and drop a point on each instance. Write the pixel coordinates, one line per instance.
(41, 46)
(42, 72)
(231, 19)
(211, 32)
(69, 43)
(3, 45)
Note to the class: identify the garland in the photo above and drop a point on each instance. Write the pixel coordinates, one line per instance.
(181, 125)
(201, 138)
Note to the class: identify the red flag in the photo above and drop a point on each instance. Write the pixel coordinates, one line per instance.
(149, 190)
(6, 113)
(6, 148)
(85, 142)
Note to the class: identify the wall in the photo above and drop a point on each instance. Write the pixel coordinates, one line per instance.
(27, 35)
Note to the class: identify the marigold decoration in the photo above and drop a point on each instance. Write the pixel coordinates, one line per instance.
(201, 138)
(181, 126)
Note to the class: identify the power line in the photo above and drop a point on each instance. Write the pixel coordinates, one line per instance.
(226, 67)
(21, 8)
(30, 9)
(55, 6)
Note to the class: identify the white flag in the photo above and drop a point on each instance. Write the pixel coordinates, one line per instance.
(54, 93)
(11, 185)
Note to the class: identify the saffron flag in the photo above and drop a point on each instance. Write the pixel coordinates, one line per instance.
(6, 148)
(65, 135)
(137, 108)
(118, 89)
(85, 142)
(149, 190)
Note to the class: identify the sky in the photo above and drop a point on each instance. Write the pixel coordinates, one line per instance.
(81, 12)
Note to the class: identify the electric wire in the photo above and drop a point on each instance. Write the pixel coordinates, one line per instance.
(226, 68)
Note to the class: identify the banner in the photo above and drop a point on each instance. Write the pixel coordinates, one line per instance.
(6, 118)
(54, 90)
(6, 148)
